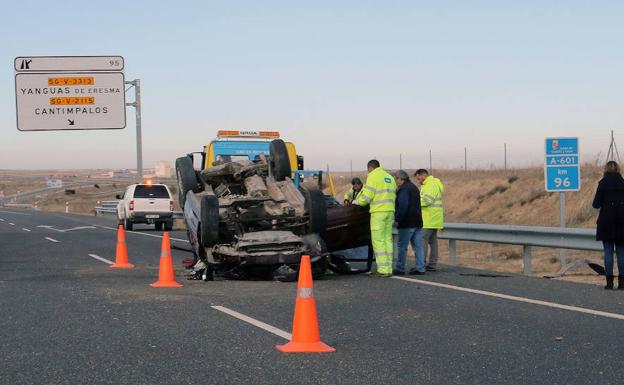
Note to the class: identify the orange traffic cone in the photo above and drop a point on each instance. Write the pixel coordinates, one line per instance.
(305, 335)
(121, 256)
(165, 272)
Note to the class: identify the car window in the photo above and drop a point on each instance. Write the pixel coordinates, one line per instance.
(154, 191)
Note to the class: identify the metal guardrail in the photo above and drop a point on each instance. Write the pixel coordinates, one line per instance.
(527, 236)
(110, 207)
(106, 207)
(20, 206)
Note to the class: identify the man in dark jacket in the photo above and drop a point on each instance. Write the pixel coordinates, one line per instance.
(408, 219)
(610, 225)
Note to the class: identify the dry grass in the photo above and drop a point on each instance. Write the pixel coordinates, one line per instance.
(512, 197)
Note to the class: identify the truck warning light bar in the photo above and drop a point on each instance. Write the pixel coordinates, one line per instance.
(248, 134)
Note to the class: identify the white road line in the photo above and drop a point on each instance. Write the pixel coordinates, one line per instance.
(147, 235)
(12, 224)
(66, 230)
(101, 259)
(1, 220)
(254, 322)
(51, 239)
(518, 299)
(13, 212)
(25, 229)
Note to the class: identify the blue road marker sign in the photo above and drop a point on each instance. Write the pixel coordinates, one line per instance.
(562, 170)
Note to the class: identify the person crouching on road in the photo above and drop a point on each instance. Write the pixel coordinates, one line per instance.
(408, 219)
(379, 193)
(609, 199)
(431, 191)
(354, 191)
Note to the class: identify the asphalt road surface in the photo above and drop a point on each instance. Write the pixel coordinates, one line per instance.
(68, 318)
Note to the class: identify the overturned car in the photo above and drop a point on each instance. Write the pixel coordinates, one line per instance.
(247, 217)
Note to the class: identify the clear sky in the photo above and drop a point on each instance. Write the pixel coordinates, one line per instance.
(344, 80)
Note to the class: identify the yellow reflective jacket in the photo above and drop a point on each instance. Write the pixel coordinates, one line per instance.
(431, 203)
(349, 195)
(379, 191)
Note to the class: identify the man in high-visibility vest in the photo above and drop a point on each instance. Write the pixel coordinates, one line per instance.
(379, 193)
(354, 191)
(431, 192)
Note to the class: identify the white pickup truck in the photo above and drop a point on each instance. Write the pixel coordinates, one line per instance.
(146, 203)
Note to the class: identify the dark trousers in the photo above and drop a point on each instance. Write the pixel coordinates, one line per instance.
(430, 236)
(609, 248)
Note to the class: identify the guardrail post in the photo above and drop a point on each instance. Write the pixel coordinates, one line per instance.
(452, 252)
(527, 258)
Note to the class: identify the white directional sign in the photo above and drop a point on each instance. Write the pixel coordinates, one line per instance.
(68, 63)
(70, 93)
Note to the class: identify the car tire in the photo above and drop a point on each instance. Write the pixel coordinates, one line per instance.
(209, 221)
(128, 224)
(168, 226)
(279, 162)
(316, 208)
(158, 226)
(187, 179)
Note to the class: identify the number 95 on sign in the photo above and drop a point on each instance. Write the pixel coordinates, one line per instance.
(562, 179)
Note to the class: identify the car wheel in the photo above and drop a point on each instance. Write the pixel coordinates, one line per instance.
(128, 224)
(187, 180)
(316, 207)
(158, 226)
(168, 226)
(279, 162)
(209, 221)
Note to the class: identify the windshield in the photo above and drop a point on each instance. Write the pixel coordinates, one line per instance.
(154, 191)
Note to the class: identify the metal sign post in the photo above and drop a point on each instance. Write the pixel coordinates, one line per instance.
(562, 223)
(139, 143)
(562, 172)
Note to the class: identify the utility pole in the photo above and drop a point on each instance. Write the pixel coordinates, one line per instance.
(613, 151)
(400, 161)
(430, 163)
(137, 106)
(465, 159)
(351, 168)
(505, 151)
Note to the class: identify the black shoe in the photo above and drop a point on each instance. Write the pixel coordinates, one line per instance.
(431, 268)
(609, 283)
(416, 272)
(620, 283)
(397, 272)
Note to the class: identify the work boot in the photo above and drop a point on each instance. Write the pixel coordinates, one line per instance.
(620, 282)
(609, 283)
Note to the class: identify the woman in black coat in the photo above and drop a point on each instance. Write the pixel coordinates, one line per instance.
(610, 225)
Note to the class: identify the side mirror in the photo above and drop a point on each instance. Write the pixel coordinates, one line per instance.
(119, 196)
(198, 160)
